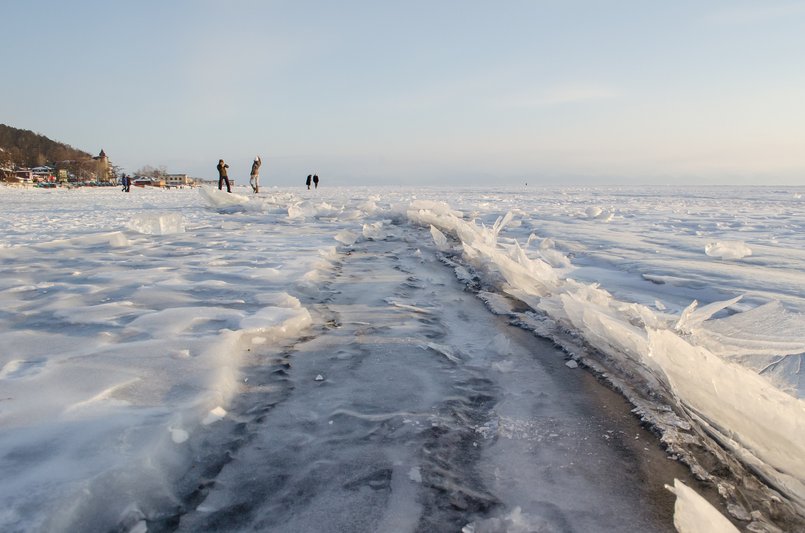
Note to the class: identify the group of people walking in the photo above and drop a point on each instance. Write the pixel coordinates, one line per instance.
(223, 177)
(254, 176)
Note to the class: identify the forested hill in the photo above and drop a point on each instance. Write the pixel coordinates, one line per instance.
(28, 149)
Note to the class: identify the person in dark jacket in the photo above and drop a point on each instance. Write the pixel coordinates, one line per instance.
(254, 179)
(315, 181)
(307, 182)
(222, 177)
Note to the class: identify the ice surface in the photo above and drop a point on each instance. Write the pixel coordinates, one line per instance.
(222, 200)
(737, 401)
(157, 224)
(729, 250)
(514, 522)
(694, 514)
(120, 344)
(214, 415)
(730, 398)
(439, 239)
(598, 213)
(347, 237)
(692, 317)
(413, 427)
(117, 348)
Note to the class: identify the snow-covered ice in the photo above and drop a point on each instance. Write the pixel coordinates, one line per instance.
(126, 323)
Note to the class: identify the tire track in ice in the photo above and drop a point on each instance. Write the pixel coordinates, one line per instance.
(416, 409)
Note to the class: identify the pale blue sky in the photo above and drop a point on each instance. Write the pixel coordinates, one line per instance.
(442, 92)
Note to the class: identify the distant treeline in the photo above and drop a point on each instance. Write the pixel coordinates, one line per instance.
(28, 149)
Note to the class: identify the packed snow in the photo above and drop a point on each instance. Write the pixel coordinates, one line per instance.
(127, 318)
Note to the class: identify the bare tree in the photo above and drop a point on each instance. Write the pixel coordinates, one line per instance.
(115, 172)
(158, 173)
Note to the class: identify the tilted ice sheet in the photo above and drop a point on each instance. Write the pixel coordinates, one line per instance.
(693, 513)
(748, 418)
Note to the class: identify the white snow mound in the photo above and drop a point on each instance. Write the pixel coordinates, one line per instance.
(729, 250)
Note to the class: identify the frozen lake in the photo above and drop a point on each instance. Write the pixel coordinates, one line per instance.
(400, 360)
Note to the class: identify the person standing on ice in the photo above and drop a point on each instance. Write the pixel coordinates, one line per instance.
(315, 181)
(254, 179)
(222, 177)
(307, 182)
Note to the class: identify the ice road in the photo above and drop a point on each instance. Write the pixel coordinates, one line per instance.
(415, 409)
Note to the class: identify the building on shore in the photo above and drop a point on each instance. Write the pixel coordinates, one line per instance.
(178, 180)
(95, 171)
(101, 167)
(148, 181)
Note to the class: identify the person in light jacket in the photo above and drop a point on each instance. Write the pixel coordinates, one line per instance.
(222, 177)
(254, 179)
